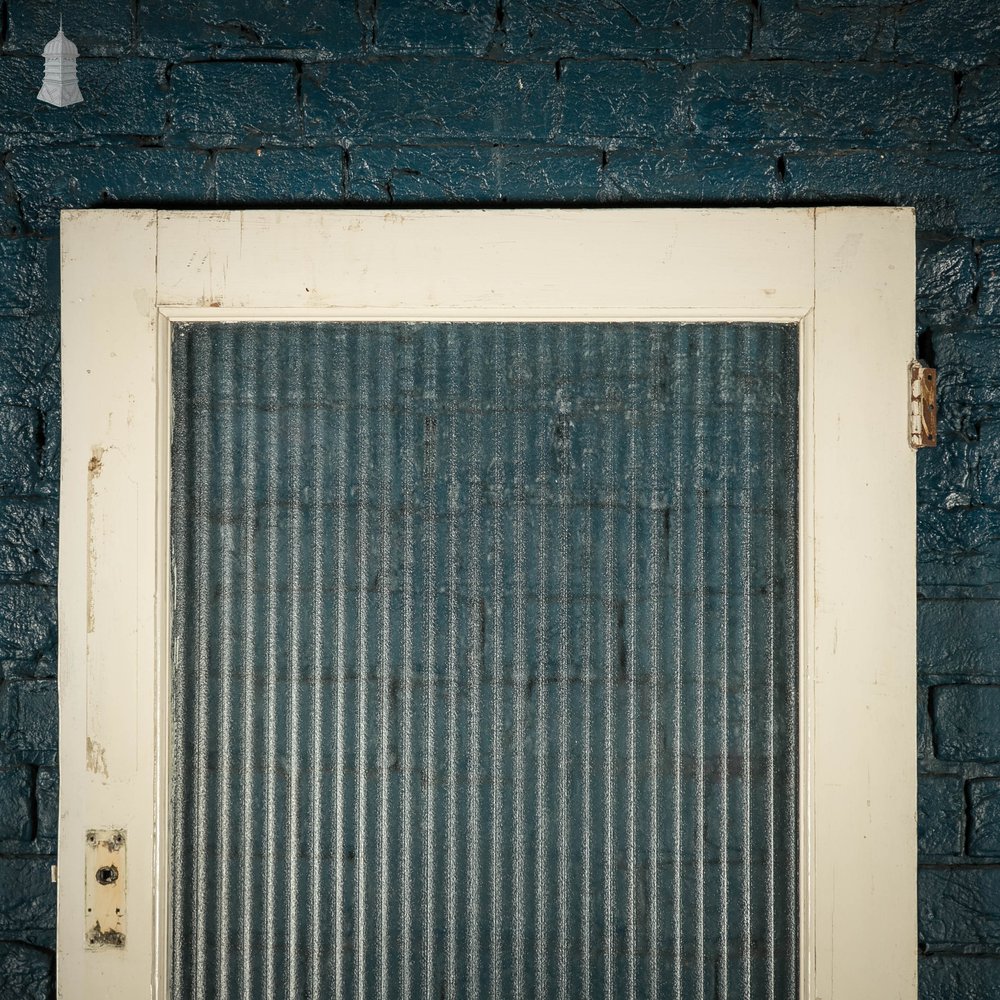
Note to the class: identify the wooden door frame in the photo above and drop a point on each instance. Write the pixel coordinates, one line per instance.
(844, 275)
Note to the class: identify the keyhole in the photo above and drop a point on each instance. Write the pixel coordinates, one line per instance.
(107, 875)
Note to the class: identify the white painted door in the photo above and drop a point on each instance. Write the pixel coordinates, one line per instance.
(840, 279)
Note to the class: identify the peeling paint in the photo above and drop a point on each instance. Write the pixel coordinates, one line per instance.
(94, 469)
(100, 938)
(96, 762)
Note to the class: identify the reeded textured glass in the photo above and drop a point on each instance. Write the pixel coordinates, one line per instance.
(485, 661)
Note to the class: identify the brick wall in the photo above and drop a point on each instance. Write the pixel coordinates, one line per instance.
(446, 102)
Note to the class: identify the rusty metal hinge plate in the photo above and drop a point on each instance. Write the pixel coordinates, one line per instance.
(923, 406)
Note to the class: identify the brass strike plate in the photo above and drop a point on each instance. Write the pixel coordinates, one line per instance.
(923, 406)
(105, 890)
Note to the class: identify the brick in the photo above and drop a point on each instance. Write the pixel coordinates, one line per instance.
(27, 973)
(876, 106)
(984, 817)
(945, 280)
(416, 101)
(20, 444)
(968, 367)
(940, 815)
(989, 288)
(29, 710)
(27, 895)
(966, 719)
(302, 176)
(629, 101)
(985, 484)
(684, 30)
(968, 359)
(11, 220)
(27, 619)
(950, 190)
(105, 111)
(51, 437)
(16, 820)
(103, 29)
(29, 353)
(42, 665)
(788, 30)
(692, 176)
(958, 638)
(966, 978)
(958, 906)
(979, 108)
(411, 175)
(855, 6)
(958, 551)
(965, 407)
(23, 265)
(437, 27)
(953, 33)
(947, 473)
(47, 802)
(925, 737)
(965, 400)
(53, 178)
(28, 540)
(194, 28)
(233, 103)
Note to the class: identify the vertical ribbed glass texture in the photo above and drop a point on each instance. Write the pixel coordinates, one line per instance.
(485, 661)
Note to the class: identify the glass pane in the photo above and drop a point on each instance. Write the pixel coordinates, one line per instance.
(485, 660)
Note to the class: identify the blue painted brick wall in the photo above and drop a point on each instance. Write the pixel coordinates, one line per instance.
(480, 102)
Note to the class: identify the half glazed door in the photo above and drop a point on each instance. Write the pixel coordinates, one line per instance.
(487, 604)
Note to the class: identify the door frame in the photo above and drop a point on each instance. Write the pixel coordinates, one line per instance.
(845, 276)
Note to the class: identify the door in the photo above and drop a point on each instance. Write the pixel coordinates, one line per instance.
(488, 604)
